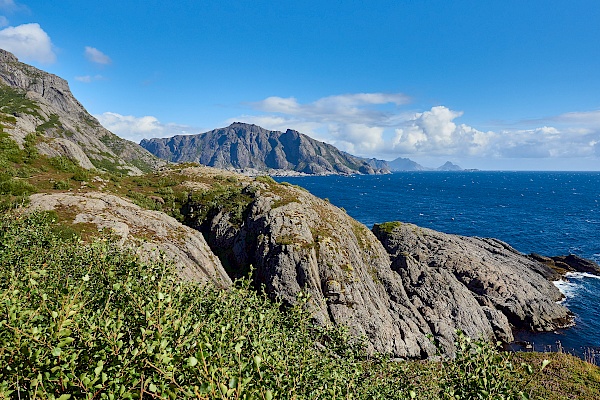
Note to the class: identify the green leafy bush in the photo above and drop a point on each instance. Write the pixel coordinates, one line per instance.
(63, 164)
(480, 371)
(16, 187)
(61, 185)
(91, 321)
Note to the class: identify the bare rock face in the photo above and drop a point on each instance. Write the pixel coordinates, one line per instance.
(569, 263)
(36, 102)
(484, 277)
(152, 234)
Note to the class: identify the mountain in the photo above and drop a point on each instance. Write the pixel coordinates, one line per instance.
(448, 166)
(245, 146)
(36, 102)
(405, 164)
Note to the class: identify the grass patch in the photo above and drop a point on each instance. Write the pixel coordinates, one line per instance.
(388, 227)
(52, 123)
(14, 101)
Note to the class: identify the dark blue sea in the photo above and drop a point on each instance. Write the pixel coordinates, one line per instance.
(549, 213)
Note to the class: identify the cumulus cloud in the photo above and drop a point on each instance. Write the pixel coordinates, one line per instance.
(28, 42)
(434, 132)
(138, 128)
(96, 56)
(379, 125)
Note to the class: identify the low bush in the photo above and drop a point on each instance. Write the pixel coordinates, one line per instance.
(90, 320)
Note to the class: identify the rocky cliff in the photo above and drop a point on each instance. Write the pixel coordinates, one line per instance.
(36, 102)
(446, 275)
(395, 287)
(242, 146)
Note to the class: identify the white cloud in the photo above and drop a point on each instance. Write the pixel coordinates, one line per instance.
(96, 56)
(89, 78)
(28, 42)
(377, 125)
(138, 128)
(355, 108)
(435, 133)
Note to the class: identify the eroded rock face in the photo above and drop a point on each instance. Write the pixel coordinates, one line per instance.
(151, 233)
(395, 287)
(484, 277)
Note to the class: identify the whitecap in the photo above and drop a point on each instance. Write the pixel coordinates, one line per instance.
(567, 288)
(578, 275)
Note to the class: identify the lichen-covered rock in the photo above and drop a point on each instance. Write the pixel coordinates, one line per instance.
(152, 234)
(299, 243)
(433, 284)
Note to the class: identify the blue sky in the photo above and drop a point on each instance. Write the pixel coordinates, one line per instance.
(486, 84)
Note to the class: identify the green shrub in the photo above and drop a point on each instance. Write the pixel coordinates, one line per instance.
(61, 185)
(16, 187)
(92, 321)
(9, 150)
(231, 199)
(265, 179)
(481, 371)
(63, 164)
(81, 175)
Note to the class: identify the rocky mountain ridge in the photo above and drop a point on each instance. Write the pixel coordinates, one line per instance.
(245, 146)
(39, 103)
(253, 150)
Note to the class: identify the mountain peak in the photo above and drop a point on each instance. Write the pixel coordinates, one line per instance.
(7, 56)
(449, 166)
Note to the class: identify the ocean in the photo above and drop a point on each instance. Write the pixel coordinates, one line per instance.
(549, 213)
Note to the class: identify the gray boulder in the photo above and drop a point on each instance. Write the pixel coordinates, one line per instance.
(152, 234)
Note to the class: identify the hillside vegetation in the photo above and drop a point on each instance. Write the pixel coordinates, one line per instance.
(81, 317)
(91, 321)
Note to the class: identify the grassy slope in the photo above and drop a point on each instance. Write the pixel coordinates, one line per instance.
(335, 373)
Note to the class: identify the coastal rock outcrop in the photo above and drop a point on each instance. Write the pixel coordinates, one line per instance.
(299, 243)
(432, 285)
(153, 235)
(500, 282)
(569, 263)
